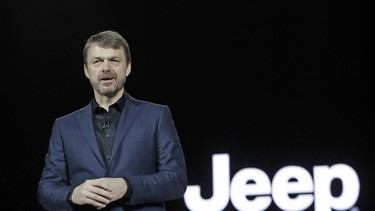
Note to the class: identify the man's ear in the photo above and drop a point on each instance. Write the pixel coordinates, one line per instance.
(86, 70)
(128, 69)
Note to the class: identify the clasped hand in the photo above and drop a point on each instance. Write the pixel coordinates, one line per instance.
(99, 192)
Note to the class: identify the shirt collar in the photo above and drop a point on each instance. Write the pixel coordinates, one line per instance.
(119, 105)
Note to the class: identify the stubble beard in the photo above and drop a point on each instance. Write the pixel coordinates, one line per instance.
(109, 91)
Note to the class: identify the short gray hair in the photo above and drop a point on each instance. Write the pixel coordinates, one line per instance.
(110, 39)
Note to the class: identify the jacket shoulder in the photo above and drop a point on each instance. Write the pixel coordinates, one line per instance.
(145, 104)
(75, 113)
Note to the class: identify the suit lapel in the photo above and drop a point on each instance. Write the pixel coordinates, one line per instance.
(131, 111)
(85, 122)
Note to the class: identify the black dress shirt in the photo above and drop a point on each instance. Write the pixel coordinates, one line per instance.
(105, 125)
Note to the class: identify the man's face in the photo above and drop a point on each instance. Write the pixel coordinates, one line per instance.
(106, 69)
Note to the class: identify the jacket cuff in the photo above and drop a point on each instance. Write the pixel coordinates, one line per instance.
(125, 199)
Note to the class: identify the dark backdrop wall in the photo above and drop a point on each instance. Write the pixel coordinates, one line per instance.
(271, 83)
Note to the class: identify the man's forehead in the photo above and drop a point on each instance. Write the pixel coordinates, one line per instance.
(96, 50)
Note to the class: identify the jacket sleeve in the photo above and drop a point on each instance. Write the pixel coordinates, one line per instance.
(53, 188)
(170, 180)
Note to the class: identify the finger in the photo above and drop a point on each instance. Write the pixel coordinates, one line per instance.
(96, 200)
(98, 194)
(97, 204)
(102, 183)
(91, 195)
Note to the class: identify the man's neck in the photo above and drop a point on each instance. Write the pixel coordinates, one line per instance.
(105, 101)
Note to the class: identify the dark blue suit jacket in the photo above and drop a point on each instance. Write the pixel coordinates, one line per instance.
(146, 150)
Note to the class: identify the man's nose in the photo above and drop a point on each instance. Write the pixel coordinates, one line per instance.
(106, 65)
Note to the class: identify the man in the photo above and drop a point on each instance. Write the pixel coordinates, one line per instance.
(117, 153)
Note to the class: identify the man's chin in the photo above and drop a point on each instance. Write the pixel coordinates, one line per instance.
(108, 92)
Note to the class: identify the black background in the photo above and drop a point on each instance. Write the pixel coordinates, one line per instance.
(273, 83)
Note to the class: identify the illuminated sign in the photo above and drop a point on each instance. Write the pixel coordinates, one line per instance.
(288, 181)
